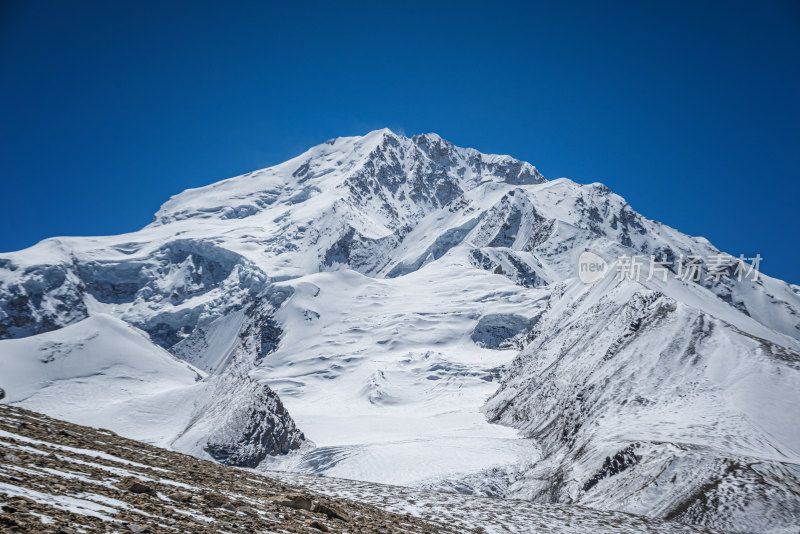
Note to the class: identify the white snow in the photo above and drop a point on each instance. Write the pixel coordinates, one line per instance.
(494, 516)
(101, 372)
(63, 502)
(390, 386)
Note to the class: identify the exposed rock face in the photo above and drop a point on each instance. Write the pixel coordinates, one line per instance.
(246, 433)
(167, 292)
(499, 331)
(613, 465)
(244, 421)
(41, 298)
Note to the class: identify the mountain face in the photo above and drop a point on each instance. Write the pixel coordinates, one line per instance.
(385, 287)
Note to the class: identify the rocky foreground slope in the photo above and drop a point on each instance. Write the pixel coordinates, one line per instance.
(62, 478)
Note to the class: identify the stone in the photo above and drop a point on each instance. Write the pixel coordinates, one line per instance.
(215, 500)
(180, 496)
(134, 485)
(298, 501)
(315, 524)
(321, 508)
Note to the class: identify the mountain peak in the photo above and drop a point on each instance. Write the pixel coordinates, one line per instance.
(388, 158)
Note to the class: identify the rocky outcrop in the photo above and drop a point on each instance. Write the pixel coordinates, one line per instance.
(39, 299)
(613, 465)
(240, 421)
(502, 331)
(250, 423)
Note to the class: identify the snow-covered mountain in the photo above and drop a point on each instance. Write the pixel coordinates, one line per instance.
(382, 286)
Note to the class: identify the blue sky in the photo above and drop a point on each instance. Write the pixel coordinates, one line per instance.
(689, 110)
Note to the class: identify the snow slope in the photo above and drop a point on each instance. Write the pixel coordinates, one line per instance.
(390, 385)
(492, 516)
(91, 371)
(102, 372)
(382, 286)
(642, 403)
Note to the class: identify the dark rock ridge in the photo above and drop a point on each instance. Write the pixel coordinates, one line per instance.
(500, 331)
(612, 465)
(246, 434)
(249, 420)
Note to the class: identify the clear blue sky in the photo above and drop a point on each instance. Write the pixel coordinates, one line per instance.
(689, 110)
